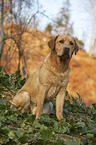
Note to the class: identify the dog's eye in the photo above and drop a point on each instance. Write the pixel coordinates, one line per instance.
(61, 41)
(71, 43)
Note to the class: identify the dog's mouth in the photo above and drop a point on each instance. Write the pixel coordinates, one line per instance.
(64, 56)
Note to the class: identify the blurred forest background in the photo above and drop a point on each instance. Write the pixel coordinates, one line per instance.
(23, 43)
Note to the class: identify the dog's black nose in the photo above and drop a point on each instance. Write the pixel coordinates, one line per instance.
(66, 50)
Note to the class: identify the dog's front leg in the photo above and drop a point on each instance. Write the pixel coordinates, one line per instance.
(39, 108)
(59, 104)
(40, 102)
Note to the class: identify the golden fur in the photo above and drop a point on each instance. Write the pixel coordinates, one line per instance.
(50, 80)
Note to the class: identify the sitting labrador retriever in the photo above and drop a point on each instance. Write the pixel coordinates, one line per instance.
(50, 80)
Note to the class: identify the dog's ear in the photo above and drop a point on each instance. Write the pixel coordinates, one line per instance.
(76, 46)
(51, 42)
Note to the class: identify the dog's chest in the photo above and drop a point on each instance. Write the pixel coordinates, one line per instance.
(53, 91)
(56, 86)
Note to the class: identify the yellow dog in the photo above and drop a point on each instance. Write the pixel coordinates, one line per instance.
(50, 80)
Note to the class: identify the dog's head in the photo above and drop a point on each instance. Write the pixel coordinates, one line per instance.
(64, 46)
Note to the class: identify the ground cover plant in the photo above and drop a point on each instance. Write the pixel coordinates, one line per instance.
(78, 127)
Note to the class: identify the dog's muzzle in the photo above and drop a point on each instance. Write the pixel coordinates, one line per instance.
(65, 52)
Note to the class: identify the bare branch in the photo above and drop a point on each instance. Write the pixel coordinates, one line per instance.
(34, 14)
(47, 16)
(14, 35)
(32, 17)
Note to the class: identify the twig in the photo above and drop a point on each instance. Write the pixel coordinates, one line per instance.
(14, 35)
(47, 16)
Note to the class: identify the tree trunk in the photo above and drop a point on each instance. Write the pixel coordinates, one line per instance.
(93, 27)
(2, 30)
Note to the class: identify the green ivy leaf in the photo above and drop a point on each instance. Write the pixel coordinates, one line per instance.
(13, 117)
(72, 142)
(83, 106)
(45, 118)
(81, 124)
(27, 77)
(23, 124)
(63, 120)
(30, 118)
(2, 117)
(13, 109)
(66, 93)
(3, 102)
(29, 129)
(94, 142)
(94, 105)
(24, 72)
(56, 126)
(5, 130)
(90, 135)
(24, 139)
(36, 124)
(80, 99)
(59, 142)
(0, 123)
(43, 127)
(11, 134)
(46, 134)
(0, 68)
(62, 129)
(93, 131)
(19, 132)
(17, 72)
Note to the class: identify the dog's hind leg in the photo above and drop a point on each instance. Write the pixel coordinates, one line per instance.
(33, 107)
(22, 100)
